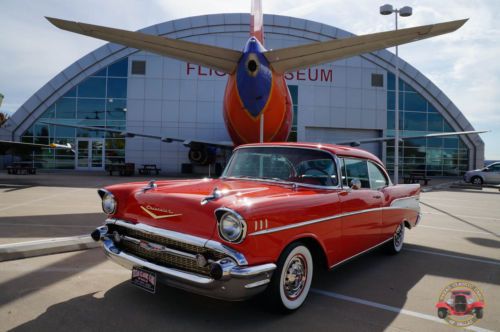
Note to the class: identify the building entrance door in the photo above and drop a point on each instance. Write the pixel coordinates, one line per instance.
(89, 154)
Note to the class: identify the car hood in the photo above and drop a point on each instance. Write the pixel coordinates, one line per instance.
(177, 205)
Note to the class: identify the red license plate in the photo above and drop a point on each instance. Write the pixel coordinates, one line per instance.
(144, 279)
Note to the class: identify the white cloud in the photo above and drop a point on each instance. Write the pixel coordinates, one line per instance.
(464, 64)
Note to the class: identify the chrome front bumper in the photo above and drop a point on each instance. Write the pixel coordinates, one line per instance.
(238, 282)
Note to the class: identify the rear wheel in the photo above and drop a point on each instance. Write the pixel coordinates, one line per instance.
(292, 278)
(479, 313)
(396, 244)
(476, 180)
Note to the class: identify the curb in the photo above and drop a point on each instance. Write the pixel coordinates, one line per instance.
(20, 250)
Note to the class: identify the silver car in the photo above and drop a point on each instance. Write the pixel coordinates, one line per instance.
(489, 174)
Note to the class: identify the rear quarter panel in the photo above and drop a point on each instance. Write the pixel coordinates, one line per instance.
(401, 203)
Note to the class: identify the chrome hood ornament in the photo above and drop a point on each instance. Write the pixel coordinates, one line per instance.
(216, 194)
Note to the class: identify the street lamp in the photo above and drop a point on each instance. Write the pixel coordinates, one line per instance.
(403, 12)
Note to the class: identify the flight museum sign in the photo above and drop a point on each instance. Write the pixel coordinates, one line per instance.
(309, 74)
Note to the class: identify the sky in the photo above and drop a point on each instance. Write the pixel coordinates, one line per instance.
(464, 64)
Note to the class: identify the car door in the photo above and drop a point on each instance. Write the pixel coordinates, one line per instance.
(492, 175)
(361, 209)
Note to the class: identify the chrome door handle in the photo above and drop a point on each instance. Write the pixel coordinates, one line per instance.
(377, 196)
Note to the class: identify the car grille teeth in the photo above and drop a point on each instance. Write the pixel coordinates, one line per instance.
(131, 244)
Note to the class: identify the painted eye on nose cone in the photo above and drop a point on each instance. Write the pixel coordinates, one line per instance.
(252, 65)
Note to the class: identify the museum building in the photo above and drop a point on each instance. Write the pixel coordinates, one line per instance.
(122, 88)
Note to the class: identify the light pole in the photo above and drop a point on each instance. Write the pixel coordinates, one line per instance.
(403, 12)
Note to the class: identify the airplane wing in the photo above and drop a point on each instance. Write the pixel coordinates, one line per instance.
(214, 57)
(166, 139)
(298, 57)
(385, 139)
(23, 147)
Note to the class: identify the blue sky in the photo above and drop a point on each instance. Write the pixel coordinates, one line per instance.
(464, 64)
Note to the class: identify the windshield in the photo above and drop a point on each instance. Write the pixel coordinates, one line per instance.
(298, 165)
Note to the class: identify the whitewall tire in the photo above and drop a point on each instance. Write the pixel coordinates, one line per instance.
(395, 245)
(292, 278)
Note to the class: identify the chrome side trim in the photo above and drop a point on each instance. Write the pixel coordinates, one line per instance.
(360, 253)
(181, 237)
(315, 221)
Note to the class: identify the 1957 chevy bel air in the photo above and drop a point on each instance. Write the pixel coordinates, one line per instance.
(278, 211)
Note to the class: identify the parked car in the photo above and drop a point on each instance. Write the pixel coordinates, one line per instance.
(460, 303)
(489, 175)
(277, 212)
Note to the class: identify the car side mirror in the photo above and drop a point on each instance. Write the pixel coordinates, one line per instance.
(486, 169)
(355, 184)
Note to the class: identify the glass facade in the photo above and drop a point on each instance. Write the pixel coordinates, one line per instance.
(98, 101)
(446, 156)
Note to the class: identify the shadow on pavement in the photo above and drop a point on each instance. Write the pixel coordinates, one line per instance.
(49, 226)
(374, 277)
(484, 242)
(39, 279)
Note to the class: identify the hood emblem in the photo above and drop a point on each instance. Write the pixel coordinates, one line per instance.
(152, 212)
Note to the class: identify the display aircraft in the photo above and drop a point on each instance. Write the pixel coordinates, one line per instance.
(257, 102)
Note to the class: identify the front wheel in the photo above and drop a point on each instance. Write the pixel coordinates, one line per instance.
(395, 245)
(477, 181)
(292, 278)
(442, 313)
(479, 313)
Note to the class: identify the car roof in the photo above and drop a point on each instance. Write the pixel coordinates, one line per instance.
(339, 150)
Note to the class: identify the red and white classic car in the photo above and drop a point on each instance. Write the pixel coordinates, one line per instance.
(278, 211)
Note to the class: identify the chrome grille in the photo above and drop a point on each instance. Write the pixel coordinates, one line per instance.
(163, 258)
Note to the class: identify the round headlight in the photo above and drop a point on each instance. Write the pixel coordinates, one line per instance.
(232, 227)
(108, 203)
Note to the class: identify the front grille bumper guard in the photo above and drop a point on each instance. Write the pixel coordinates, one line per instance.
(231, 278)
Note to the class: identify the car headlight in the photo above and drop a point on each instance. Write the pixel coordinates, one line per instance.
(232, 227)
(108, 202)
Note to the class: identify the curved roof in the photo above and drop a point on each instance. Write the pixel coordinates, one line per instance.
(103, 56)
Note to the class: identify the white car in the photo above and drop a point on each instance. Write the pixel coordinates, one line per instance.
(489, 175)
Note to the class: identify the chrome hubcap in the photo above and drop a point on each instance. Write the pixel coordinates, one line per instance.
(295, 277)
(399, 237)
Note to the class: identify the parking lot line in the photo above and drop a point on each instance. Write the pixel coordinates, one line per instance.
(389, 308)
(45, 225)
(485, 261)
(456, 230)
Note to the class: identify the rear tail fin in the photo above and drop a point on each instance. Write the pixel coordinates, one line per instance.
(257, 21)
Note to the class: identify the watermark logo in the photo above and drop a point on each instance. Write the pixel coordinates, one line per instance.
(461, 304)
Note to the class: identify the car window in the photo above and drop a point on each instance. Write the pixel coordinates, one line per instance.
(494, 168)
(299, 165)
(355, 169)
(377, 177)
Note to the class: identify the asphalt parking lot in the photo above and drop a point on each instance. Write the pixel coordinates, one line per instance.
(458, 239)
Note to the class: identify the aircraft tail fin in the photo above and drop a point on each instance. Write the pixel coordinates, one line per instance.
(257, 21)
(214, 57)
(303, 56)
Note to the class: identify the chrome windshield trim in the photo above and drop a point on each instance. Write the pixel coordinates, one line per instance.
(181, 237)
(292, 183)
